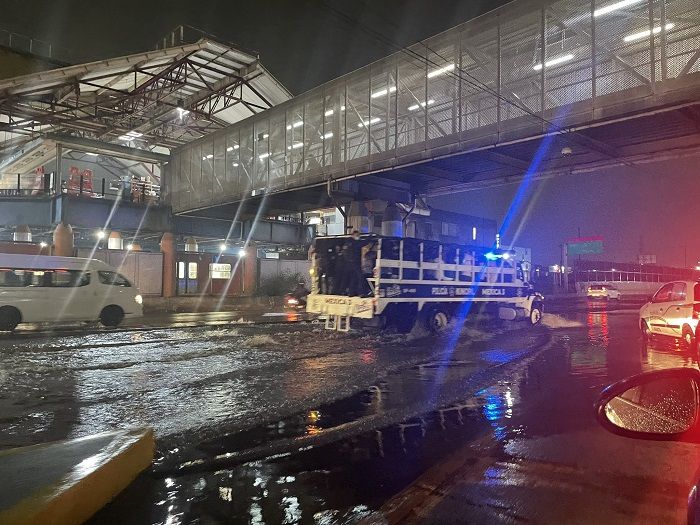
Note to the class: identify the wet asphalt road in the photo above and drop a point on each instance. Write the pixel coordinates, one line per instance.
(372, 414)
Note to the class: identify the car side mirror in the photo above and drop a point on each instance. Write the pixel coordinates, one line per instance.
(663, 405)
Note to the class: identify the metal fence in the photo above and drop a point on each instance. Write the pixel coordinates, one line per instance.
(45, 185)
(506, 74)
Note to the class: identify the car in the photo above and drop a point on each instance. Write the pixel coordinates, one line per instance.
(662, 405)
(674, 311)
(603, 291)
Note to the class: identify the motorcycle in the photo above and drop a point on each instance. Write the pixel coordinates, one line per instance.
(295, 300)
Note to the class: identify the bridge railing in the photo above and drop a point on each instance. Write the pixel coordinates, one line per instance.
(506, 75)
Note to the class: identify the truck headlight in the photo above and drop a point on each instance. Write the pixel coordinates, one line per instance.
(138, 299)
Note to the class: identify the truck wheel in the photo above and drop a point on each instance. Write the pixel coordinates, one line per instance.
(536, 314)
(111, 315)
(10, 317)
(436, 320)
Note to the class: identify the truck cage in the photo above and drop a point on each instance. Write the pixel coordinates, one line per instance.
(404, 275)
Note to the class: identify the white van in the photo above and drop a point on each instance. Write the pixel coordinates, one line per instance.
(40, 288)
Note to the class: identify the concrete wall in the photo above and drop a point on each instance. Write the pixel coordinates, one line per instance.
(144, 269)
(626, 288)
(273, 267)
(34, 211)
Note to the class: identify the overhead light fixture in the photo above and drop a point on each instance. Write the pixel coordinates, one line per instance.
(383, 92)
(421, 105)
(295, 124)
(296, 145)
(615, 7)
(211, 155)
(182, 112)
(263, 156)
(647, 33)
(327, 135)
(554, 61)
(235, 164)
(135, 134)
(329, 112)
(231, 148)
(127, 138)
(440, 71)
(368, 122)
(92, 154)
(266, 135)
(43, 244)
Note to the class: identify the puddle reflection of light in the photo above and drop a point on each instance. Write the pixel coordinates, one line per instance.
(497, 356)
(598, 329)
(292, 512)
(256, 513)
(368, 356)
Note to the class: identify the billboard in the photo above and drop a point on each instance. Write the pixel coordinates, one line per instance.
(584, 246)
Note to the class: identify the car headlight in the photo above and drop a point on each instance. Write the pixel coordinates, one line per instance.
(138, 299)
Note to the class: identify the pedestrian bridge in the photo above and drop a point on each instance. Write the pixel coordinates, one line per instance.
(604, 78)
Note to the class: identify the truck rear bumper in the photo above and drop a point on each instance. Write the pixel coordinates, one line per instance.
(360, 307)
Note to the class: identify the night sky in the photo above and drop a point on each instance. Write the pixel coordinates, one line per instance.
(304, 43)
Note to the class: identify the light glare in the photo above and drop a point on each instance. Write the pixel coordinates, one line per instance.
(614, 7)
(554, 61)
(440, 71)
(645, 34)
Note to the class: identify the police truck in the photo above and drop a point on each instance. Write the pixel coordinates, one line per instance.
(405, 281)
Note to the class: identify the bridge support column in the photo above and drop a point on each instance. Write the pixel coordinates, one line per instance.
(392, 223)
(167, 248)
(63, 240)
(358, 217)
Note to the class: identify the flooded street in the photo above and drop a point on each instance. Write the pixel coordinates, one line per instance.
(287, 423)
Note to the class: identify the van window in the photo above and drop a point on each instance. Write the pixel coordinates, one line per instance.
(11, 277)
(113, 278)
(15, 277)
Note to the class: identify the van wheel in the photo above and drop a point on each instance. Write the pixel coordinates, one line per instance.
(536, 314)
(437, 321)
(111, 315)
(10, 317)
(688, 338)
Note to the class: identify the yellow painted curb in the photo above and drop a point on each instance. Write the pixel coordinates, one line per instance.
(90, 472)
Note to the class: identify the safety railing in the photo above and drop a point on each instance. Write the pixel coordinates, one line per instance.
(48, 185)
(509, 73)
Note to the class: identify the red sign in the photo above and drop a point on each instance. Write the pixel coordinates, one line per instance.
(73, 186)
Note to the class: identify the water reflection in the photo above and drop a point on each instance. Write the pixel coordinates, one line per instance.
(598, 329)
